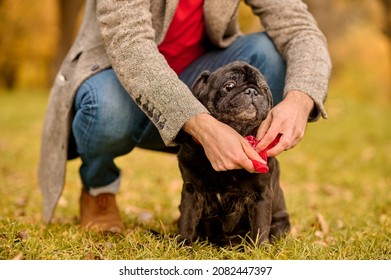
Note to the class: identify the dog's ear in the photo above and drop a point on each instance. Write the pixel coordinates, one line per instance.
(200, 84)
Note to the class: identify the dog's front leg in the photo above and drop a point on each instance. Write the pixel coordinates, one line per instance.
(191, 208)
(260, 217)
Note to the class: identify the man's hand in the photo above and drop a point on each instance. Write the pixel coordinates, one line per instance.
(225, 148)
(288, 118)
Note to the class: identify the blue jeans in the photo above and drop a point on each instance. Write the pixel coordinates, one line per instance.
(108, 123)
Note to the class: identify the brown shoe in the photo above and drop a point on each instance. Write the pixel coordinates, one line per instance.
(100, 213)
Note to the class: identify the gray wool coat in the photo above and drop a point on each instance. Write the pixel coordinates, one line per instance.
(124, 35)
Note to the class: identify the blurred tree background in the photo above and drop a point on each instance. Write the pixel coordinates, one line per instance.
(35, 36)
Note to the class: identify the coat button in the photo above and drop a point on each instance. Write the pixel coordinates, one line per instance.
(61, 78)
(95, 67)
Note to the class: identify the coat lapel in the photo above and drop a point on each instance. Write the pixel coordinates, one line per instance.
(162, 13)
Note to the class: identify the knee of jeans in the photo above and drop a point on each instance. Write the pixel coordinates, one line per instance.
(264, 54)
(105, 116)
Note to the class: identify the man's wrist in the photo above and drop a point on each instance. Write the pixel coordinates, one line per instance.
(302, 98)
(195, 125)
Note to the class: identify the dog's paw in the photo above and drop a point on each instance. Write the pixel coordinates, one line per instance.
(280, 226)
(182, 241)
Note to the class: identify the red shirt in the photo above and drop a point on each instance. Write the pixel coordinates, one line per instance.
(184, 39)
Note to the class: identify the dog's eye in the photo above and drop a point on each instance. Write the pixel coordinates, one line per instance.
(229, 85)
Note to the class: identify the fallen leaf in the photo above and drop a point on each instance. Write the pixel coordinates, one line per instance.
(323, 225)
(21, 201)
(340, 224)
(319, 234)
(19, 256)
(63, 202)
(321, 243)
(20, 213)
(145, 216)
(22, 235)
(294, 231)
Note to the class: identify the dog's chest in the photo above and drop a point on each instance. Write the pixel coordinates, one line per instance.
(216, 204)
(220, 191)
(224, 193)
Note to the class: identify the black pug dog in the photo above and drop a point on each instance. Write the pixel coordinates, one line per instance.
(227, 207)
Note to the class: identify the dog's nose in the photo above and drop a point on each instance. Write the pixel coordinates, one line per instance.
(251, 91)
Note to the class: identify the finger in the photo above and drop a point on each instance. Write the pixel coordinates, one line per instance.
(267, 139)
(287, 141)
(264, 127)
(233, 161)
(249, 166)
(242, 163)
(251, 156)
(251, 153)
(283, 145)
(267, 132)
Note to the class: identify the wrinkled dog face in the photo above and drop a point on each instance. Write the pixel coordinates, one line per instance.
(236, 94)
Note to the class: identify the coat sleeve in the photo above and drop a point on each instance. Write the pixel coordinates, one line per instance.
(304, 47)
(129, 39)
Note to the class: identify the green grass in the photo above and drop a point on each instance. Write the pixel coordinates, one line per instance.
(340, 172)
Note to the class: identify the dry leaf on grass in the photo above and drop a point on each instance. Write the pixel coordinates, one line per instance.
(322, 224)
(92, 256)
(21, 201)
(321, 243)
(108, 245)
(63, 202)
(21, 235)
(294, 231)
(340, 224)
(145, 217)
(19, 256)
